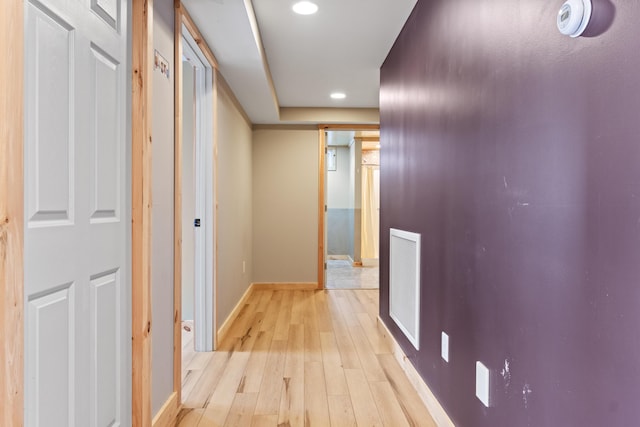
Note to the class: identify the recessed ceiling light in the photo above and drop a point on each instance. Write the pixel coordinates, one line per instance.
(338, 95)
(305, 8)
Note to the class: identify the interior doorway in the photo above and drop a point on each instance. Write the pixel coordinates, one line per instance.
(351, 212)
(370, 236)
(197, 196)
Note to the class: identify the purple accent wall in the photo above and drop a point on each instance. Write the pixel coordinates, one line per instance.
(515, 152)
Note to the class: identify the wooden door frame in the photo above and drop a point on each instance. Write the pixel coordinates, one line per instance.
(322, 128)
(11, 213)
(141, 186)
(182, 17)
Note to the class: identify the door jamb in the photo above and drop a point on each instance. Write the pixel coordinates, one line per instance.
(11, 213)
(322, 128)
(182, 17)
(141, 149)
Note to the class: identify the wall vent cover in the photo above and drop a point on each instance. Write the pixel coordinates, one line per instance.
(404, 283)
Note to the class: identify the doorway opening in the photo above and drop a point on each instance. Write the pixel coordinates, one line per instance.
(351, 176)
(197, 195)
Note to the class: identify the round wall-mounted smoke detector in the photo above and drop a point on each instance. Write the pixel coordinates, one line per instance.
(573, 17)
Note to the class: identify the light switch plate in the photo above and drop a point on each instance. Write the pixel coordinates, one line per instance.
(445, 347)
(482, 383)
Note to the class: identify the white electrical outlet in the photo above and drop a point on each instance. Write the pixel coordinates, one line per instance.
(444, 347)
(482, 383)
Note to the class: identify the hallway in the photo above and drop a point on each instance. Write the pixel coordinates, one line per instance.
(294, 358)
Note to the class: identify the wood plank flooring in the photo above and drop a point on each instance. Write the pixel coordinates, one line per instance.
(300, 358)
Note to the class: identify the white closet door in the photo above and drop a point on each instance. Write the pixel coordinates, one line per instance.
(77, 274)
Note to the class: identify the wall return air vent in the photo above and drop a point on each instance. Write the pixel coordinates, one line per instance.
(404, 283)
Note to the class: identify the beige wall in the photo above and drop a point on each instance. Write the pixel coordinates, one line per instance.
(234, 213)
(162, 211)
(285, 205)
(234, 206)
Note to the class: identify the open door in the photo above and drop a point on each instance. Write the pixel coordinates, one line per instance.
(197, 193)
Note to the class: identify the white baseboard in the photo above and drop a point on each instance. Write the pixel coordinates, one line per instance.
(438, 413)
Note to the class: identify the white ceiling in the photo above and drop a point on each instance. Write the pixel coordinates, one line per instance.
(288, 60)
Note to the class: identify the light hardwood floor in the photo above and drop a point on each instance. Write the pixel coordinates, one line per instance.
(300, 358)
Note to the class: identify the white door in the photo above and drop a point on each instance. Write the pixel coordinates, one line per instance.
(77, 214)
(202, 178)
(324, 213)
(202, 219)
(188, 190)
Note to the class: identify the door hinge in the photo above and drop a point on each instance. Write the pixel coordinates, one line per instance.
(325, 208)
(325, 265)
(196, 222)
